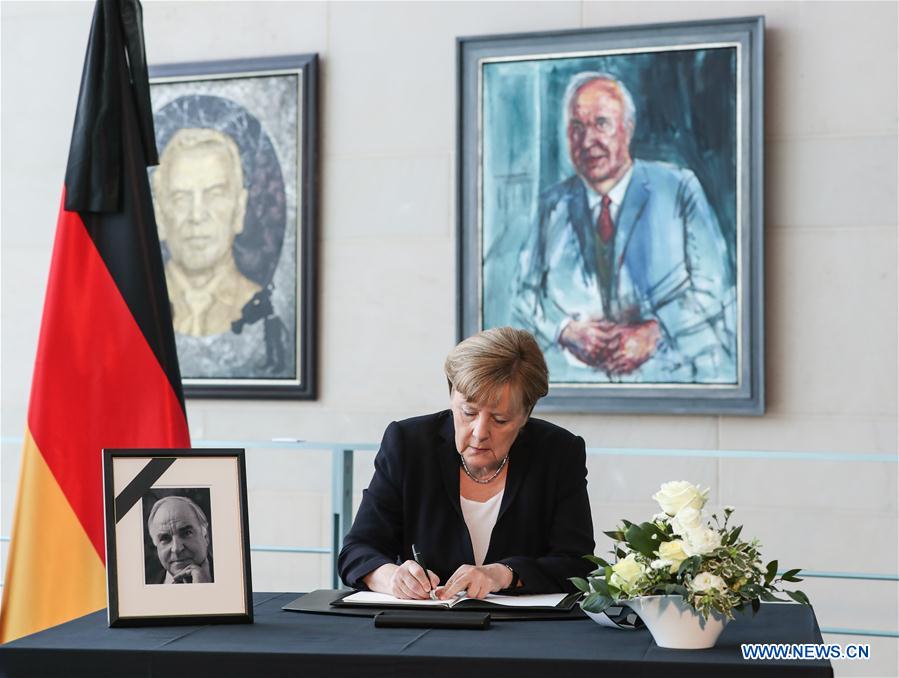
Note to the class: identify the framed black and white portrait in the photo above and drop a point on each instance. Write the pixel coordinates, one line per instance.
(177, 538)
(234, 197)
(178, 546)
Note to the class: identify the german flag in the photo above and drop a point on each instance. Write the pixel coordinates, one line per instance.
(106, 373)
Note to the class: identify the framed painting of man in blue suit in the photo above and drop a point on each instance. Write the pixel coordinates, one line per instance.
(610, 202)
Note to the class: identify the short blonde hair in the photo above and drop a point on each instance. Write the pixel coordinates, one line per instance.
(479, 367)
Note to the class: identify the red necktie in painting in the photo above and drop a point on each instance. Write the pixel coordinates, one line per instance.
(606, 227)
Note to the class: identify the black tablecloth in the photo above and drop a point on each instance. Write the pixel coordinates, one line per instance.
(282, 643)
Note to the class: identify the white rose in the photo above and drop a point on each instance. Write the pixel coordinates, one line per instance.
(705, 581)
(688, 518)
(672, 553)
(701, 541)
(626, 573)
(679, 494)
(660, 517)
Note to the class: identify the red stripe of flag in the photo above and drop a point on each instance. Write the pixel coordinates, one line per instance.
(96, 383)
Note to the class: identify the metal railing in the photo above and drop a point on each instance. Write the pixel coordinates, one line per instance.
(342, 494)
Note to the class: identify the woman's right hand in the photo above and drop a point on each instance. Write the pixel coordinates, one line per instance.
(407, 581)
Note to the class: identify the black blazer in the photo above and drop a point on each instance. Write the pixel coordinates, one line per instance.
(543, 528)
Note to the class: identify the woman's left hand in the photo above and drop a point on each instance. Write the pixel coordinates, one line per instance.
(476, 580)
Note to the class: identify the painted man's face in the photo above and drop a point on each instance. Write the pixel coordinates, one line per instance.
(202, 207)
(598, 136)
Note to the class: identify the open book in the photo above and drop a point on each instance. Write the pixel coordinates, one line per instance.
(541, 601)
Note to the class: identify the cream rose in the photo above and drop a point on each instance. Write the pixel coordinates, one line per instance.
(701, 542)
(688, 518)
(626, 573)
(706, 581)
(679, 494)
(672, 553)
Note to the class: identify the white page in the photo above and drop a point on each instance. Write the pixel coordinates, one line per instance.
(534, 600)
(531, 600)
(372, 598)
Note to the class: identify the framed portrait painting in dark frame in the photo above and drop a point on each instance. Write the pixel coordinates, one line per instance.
(177, 537)
(235, 201)
(610, 195)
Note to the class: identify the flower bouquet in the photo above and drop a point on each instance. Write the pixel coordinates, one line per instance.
(698, 561)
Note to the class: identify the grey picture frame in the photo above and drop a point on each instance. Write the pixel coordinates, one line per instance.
(280, 360)
(745, 395)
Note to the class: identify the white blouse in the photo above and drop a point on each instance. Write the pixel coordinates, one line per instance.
(480, 517)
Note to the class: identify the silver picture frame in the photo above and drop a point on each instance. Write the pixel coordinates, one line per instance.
(697, 96)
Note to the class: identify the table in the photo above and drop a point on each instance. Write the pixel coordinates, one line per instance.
(283, 643)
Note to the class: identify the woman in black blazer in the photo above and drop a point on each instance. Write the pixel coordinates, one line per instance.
(492, 500)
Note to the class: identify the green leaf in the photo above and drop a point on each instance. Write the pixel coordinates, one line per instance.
(734, 535)
(640, 539)
(675, 589)
(596, 560)
(661, 534)
(596, 602)
(769, 597)
(790, 575)
(590, 600)
(579, 583)
(751, 590)
(799, 597)
(690, 565)
(617, 535)
(770, 571)
(601, 586)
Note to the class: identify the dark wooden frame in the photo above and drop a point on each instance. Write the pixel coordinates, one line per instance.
(748, 395)
(304, 385)
(109, 501)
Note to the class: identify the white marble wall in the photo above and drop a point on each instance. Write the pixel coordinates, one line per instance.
(387, 266)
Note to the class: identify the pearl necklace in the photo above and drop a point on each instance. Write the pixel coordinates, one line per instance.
(491, 478)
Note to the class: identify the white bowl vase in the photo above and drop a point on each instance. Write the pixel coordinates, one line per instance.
(675, 624)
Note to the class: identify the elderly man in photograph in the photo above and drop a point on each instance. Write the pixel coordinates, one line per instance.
(626, 276)
(200, 203)
(180, 532)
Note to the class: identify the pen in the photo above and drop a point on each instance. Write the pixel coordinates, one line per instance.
(416, 555)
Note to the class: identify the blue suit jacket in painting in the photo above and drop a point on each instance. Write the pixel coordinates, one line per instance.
(543, 528)
(670, 264)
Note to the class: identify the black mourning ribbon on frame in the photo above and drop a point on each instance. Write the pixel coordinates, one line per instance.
(139, 485)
